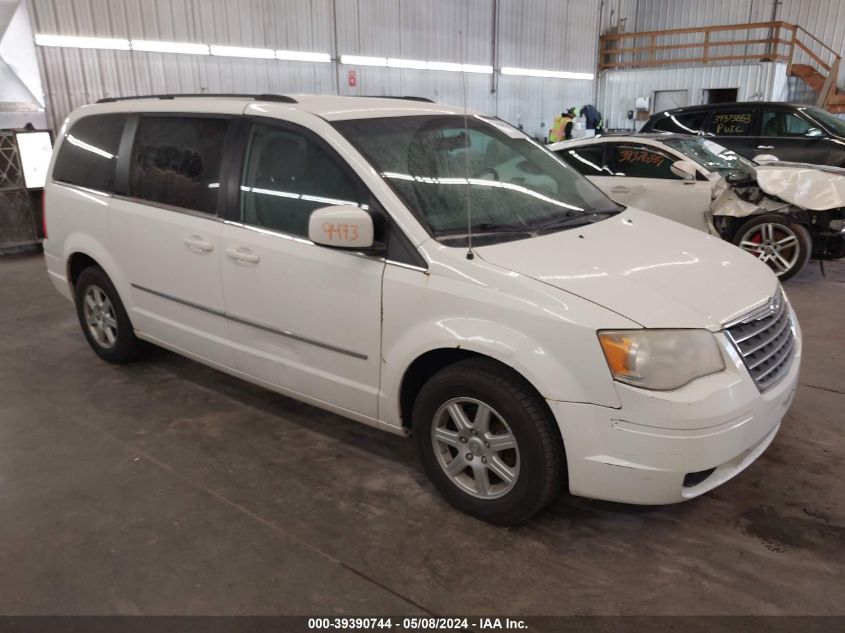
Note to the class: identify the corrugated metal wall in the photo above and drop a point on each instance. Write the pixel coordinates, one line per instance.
(74, 77)
(754, 82)
(547, 34)
(825, 19)
(542, 34)
(653, 15)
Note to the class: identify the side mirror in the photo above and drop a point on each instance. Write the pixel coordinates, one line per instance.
(341, 226)
(765, 158)
(685, 169)
(814, 132)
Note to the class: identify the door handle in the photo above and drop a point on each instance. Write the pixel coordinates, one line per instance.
(765, 147)
(619, 189)
(196, 243)
(244, 255)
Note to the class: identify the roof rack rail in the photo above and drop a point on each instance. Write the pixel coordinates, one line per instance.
(406, 98)
(262, 97)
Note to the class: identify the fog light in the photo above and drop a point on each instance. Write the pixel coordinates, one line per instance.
(836, 225)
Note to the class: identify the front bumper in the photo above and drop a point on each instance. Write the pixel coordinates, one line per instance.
(665, 447)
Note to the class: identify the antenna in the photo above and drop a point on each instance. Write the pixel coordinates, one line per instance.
(470, 254)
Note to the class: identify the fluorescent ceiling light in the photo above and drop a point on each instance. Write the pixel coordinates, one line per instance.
(71, 41)
(555, 74)
(360, 60)
(239, 51)
(449, 66)
(407, 63)
(414, 64)
(299, 56)
(477, 68)
(169, 47)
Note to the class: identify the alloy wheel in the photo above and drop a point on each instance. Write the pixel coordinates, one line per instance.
(476, 448)
(773, 244)
(99, 316)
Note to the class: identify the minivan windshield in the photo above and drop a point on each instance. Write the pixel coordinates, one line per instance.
(830, 121)
(458, 173)
(710, 155)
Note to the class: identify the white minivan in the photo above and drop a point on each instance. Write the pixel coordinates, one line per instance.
(427, 270)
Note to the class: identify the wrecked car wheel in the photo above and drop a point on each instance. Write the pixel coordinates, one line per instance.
(782, 245)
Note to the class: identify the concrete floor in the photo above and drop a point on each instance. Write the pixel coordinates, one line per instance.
(164, 487)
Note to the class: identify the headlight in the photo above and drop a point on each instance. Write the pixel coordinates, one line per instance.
(836, 225)
(660, 359)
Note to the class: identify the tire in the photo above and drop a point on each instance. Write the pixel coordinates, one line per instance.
(101, 311)
(516, 414)
(763, 236)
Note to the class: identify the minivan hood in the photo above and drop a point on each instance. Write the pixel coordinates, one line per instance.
(650, 270)
(810, 187)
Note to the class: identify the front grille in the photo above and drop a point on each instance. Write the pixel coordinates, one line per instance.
(765, 339)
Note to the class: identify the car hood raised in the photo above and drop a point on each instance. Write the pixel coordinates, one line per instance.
(653, 271)
(811, 187)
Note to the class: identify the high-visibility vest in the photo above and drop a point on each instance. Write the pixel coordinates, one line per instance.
(558, 130)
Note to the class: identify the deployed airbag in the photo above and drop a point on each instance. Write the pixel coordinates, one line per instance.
(810, 187)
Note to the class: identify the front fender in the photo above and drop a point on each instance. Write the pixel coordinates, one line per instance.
(529, 331)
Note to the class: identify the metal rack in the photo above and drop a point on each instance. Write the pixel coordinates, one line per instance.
(17, 215)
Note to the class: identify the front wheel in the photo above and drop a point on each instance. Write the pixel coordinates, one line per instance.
(488, 442)
(782, 245)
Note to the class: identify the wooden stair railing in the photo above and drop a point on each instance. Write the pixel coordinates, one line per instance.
(806, 57)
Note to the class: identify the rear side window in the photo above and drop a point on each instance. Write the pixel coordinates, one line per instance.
(588, 161)
(88, 153)
(176, 161)
(732, 122)
(640, 161)
(783, 123)
(682, 123)
(287, 176)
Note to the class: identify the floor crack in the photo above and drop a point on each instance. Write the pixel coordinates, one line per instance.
(830, 389)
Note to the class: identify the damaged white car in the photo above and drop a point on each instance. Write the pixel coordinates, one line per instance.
(783, 213)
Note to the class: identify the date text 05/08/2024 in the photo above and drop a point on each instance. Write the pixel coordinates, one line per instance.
(416, 624)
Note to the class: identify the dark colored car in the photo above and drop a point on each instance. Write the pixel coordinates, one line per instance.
(792, 132)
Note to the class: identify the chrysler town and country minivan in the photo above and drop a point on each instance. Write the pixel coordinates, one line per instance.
(428, 271)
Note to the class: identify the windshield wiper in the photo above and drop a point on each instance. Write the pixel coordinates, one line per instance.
(488, 228)
(577, 220)
(492, 227)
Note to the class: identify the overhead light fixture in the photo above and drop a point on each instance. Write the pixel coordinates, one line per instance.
(554, 74)
(477, 68)
(448, 66)
(72, 41)
(152, 46)
(418, 64)
(361, 60)
(299, 56)
(240, 51)
(414, 64)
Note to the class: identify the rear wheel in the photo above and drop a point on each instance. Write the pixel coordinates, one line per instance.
(103, 318)
(488, 442)
(782, 245)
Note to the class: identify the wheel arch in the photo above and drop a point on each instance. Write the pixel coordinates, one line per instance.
(427, 364)
(76, 263)
(83, 250)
